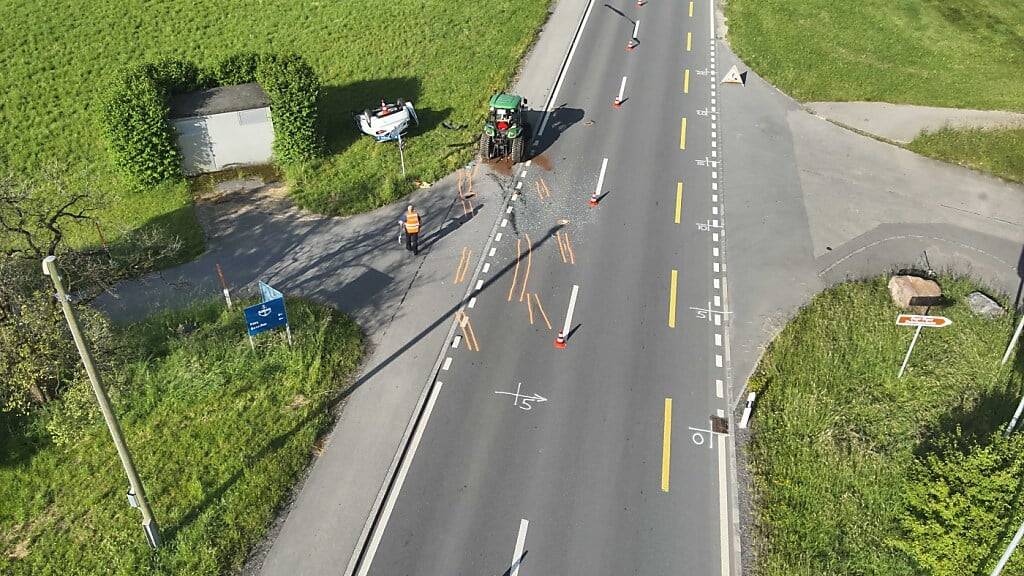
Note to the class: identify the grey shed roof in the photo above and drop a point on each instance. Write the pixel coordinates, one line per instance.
(219, 100)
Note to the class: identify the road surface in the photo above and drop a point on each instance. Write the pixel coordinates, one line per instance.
(598, 458)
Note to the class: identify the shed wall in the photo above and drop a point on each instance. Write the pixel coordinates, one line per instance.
(219, 141)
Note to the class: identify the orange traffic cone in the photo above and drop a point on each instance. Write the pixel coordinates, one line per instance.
(633, 43)
(560, 340)
(640, 2)
(616, 103)
(594, 199)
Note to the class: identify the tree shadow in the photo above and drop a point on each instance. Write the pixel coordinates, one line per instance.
(329, 404)
(17, 443)
(975, 418)
(559, 120)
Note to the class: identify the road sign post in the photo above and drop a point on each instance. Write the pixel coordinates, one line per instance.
(920, 321)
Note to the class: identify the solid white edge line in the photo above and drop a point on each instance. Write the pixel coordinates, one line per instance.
(517, 553)
(417, 423)
(723, 507)
(389, 505)
(565, 69)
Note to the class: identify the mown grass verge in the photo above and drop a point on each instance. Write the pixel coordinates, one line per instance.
(219, 434)
(1000, 152)
(446, 57)
(837, 437)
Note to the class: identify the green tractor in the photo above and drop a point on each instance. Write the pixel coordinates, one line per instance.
(506, 129)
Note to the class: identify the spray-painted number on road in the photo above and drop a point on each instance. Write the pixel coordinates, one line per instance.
(523, 401)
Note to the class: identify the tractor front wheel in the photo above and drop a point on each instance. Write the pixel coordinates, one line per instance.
(485, 147)
(518, 148)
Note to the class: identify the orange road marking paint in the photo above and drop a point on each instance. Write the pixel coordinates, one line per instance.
(568, 246)
(515, 273)
(467, 332)
(542, 313)
(460, 272)
(529, 262)
(529, 307)
(561, 247)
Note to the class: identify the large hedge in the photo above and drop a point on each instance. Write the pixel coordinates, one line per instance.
(134, 112)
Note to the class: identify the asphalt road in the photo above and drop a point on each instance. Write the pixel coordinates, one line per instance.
(596, 458)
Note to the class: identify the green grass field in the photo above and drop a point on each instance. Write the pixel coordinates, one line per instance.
(1000, 152)
(959, 53)
(219, 434)
(835, 431)
(447, 57)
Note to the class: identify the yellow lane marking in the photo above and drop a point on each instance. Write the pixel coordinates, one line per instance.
(682, 135)
(666, 445)
(686, 81)
(691, 9)
(679, 201)
(672, 300)
(689, 41)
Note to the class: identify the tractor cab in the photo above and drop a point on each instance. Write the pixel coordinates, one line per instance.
(505, 127)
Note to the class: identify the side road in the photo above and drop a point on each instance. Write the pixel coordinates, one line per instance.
(813, 204)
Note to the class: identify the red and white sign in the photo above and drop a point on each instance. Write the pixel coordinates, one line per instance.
(926, 321)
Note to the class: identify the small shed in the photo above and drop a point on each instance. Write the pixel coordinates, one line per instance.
(222, 128)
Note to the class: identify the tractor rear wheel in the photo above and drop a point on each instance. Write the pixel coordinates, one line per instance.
(518, 148)
(485, 147)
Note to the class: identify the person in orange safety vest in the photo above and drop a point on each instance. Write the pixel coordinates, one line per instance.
(411, 226)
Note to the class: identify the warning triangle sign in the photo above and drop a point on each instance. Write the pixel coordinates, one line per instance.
(733, 76)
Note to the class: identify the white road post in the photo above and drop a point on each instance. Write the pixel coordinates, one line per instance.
(572, 307)
(909, 350)
(1013, 341)
(1009, 551)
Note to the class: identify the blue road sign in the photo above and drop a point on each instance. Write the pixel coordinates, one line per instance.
(265, 316)
(267, 293)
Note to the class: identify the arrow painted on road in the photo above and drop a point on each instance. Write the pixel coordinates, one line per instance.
(523, 401)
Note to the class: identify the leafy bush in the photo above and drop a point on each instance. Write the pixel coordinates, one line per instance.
(238, 68)
(134, 117)
(294, 91)
(959, 500)
(134, 113)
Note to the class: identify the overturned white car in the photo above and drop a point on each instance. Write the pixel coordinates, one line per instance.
(388, 121)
